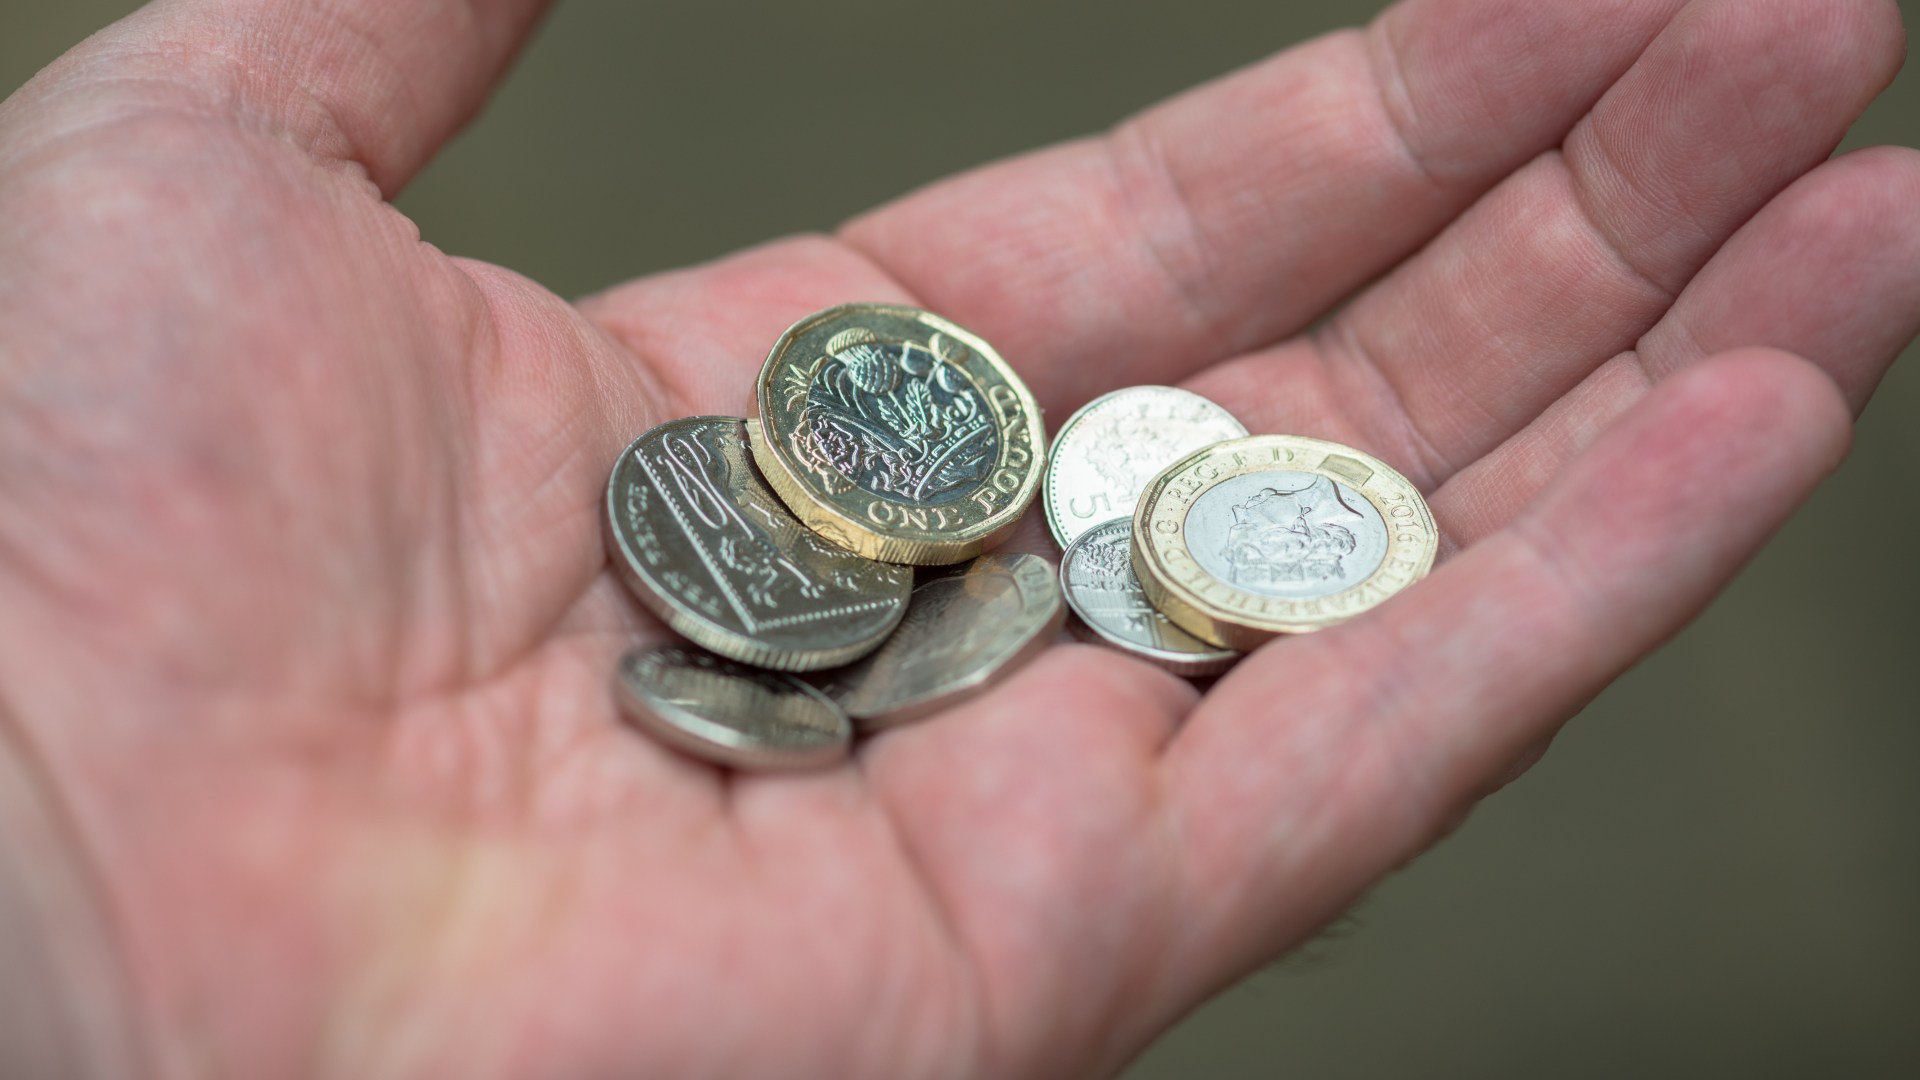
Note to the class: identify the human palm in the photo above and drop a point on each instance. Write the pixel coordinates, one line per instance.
(307, 626)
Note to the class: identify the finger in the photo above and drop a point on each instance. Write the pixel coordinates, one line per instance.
(1830, 271)
(368, 82)
(1326, 760)
(1235, 214)
(1577, 255)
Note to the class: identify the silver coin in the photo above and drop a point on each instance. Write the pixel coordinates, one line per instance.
(701, 540)
(728, 713)
(1108, 452)
(1289, 535)
(1096, 574)
(962, 633)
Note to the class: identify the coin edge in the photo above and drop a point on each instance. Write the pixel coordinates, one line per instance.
(648, 715)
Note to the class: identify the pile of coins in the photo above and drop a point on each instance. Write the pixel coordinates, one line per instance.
(886, 438)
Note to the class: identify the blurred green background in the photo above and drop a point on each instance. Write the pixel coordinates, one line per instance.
(1716, 873)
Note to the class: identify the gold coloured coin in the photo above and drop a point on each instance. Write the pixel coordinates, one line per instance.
(1277, 534)
(701, 542)
(897, 435)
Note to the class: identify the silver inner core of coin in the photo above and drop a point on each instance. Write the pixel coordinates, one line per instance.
(1289, 535)
(1103, 590)
(899, 422)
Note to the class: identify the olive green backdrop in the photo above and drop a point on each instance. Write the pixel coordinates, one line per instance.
(1716, 873)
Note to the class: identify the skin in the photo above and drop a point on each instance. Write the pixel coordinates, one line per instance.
(310, 765)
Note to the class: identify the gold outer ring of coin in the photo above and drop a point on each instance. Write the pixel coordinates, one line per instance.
(1227, 615)
(881, 527)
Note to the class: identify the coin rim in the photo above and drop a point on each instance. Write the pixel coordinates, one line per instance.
(1213, 662)
(980, 679)
(714, 742)
(701, 629)
(1233, 629)
(823, 516)
(1047, 500)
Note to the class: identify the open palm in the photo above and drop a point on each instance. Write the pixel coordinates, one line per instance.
(306, 627)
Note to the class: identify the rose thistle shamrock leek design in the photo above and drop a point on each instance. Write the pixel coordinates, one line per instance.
(896, 421)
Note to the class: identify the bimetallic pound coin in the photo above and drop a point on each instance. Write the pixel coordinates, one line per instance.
(897, 434)
(701, 541)
(728, 713)
(1277, 534)
(1096, 574)
(1105, 454)
(962, 633)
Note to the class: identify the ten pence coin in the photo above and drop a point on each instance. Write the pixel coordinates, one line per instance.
(896, 434)
(703, 543)
(1277, 534)
(1096, 574)
(1105, 454)
(728, 713)
(963, 632)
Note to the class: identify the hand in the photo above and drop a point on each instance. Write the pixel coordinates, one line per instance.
(306, 628)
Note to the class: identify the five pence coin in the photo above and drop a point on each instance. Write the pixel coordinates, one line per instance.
(1108, 451)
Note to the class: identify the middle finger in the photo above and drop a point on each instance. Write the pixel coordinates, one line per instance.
(1573, 258)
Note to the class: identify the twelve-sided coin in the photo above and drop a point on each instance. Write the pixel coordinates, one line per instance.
(896, 434)
(1277, 534)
